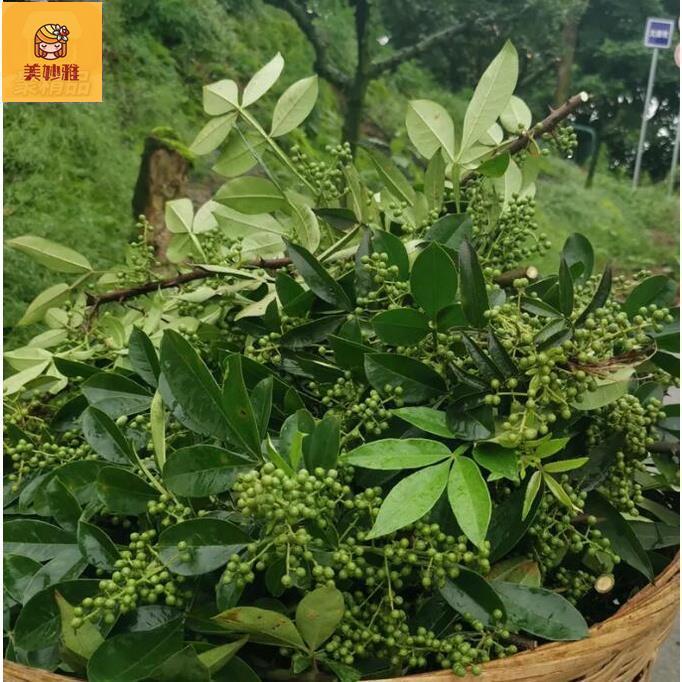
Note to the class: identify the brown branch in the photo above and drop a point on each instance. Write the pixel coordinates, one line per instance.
(547, 125)
(304, 19)
(410, 51)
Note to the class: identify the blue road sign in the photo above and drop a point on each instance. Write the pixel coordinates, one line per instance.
(659, 32)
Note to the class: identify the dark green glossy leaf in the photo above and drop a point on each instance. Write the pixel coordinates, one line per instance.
(418, 381)
(470, 499)
(426, 419)
(295, 300)
(470, 593)
(75, 369)
(623, 540)
(485, 366)
(189, 389)
(311, 333)
(538, 307)
(238, 409)
(473, 291)
(476, 423)
(67, 417)
(410, 499)
(317, 278)
(395, 453)
(210, 543)
(321, 448)
(517, 570)
(135, 656)
(96, 546)
(658, 289)
(142, 356)
(667, 362)
(566, 295)
(116, 395)
(500, 357)
(385, 242)
(67, 565)
(18, 571)
(495, 167)
(541, 612)
(601, 295)
(63, 505)
(577, 249)
(203, 470)
(261, 400)
(656, 535)
(36, 540)
(341, 219)
(450, 230)
(105, 438)
(401, 326)
(553, 334)
(237, 669)
(123, 492)
(498, 460)
(433, 280)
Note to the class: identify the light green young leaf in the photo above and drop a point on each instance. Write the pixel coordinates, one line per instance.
(491, 96)
(411, 499)
(178, 215)
(49, 298)
(263, 80)
(267, 627)
(16, 382)
(305, 224)
(493, 136)
(220, 97)
(430, 128)
(531, 493)
(250, 194)
(157, 425)
(470, 499)
(294, 106)
(50, 254)
(565, 465)
(396, 453)
(557, 490)
(394, 180)
(509, 184)
(213, 134)
(516, 115)
(434, 181)
(82, 641)
(318, 614)
(427, 419)
(608, 390)
(214, 659)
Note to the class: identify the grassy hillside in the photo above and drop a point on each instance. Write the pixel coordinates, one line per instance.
(70, 169)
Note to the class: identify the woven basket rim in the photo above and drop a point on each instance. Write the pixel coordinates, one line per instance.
(663, 590)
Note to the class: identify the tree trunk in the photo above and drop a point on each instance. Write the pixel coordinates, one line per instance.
(355, 102)
(569, 40)
(162, 177)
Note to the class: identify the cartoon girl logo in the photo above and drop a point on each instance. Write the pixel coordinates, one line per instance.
(50, 41)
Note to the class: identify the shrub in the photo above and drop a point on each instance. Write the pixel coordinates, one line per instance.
(355, 432)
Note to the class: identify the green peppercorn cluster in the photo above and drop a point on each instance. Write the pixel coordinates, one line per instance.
(326, 177)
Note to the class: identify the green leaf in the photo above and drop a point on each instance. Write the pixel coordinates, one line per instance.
(517, 570)
(401, 326)
(430, 128)
(396, 453)
(63, 505)
(565, 289)
(49, 298)
(105, 438)
(36, 540)
(67, 565)
(157, 426)
(294, 106)
(261, 401)
(426, 419)
(516, 115)
(532, 490)
(658, 290)
(434, 181)
(541, 612)
(608, 390)
(472, 286)
(577, 249)
(395, 181)
(189, 389)
(267, 627)
(236, 669)
(507, 525)
(469, 498)
(565, 465)
(210, 544)
(472, 424)
(18, 572)
(498, 460)
(238, 409)
(470, 593)
(317, 278)
(491, 96)
(216, 658)
(557, 490)
(96, 546)
(500, 357)
(600, 296)
(123, 492)
(262, 80)
(495, 167)
(212, 135)
(655, 535)
(203, 470)
(251, 194)
(294, 299)
(53, 256)
(135, 655)
(385, 242)
(410, 499)
(485, 366)
(115, 395)
(623, 540)
(318, 615)
(239, 155)
(82, 641)
(142, 356)
(304, 224)
(418, 381)
(321, 448)
(433, 280)
(220, 97)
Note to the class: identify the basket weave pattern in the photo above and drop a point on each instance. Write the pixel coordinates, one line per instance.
(621, 649)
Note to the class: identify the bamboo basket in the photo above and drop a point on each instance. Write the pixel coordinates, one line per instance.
(623, 648)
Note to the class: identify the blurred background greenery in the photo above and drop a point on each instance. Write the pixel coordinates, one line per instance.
(70, 169)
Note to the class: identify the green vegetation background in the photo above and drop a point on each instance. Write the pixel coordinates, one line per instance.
(70, 169)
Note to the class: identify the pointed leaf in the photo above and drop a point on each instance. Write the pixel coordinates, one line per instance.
(470, 499)
(396, 453)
